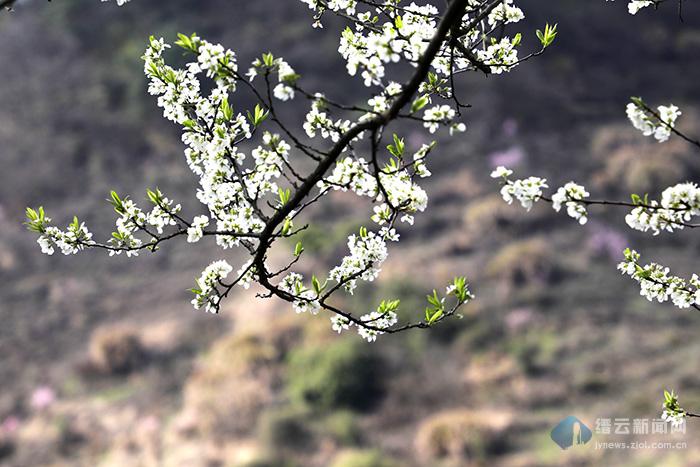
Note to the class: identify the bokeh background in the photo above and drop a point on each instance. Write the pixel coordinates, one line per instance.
(103, 361)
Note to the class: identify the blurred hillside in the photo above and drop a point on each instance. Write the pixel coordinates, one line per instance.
(103, 361)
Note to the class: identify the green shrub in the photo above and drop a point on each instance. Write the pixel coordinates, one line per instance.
(342, 427)
(273, 462)
(344, 374)
(116, 350)
(535, 351)
(362, 458)
(284, 428)
(463, 435)
(325, 239)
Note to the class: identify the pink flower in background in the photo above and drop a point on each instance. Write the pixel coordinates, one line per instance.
(416, 139)
(518, 319)
(42, 397)
(10, 425)
(149, 424)
(606, 241)
(509, 158)
(510, 127)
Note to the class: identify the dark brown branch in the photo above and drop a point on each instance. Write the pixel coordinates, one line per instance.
(453, 15)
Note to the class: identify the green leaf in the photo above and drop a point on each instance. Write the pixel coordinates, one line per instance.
(397, 149)
(155, 197)
(191, 124)
(434, 299)
(188, 43)
(226, 109)
(258, 116)
(547, 37)
(287, 226)
(116, 202)
(435, 316)
(268, 59)
(36, 220)
(419, 103)
(31, 214)
(540, 36)
(432, 79)
(318, 288)
(517, 39)
(284, 195)
(298, 249)
(388, 306)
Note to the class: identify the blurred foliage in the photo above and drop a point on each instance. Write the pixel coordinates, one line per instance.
(362, 458)
(342, 374)
(184, 388)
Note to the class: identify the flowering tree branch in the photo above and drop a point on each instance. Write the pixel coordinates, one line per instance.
(253, 204)
(254, 200)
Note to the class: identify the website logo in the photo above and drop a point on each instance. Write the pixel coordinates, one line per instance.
(571, 432)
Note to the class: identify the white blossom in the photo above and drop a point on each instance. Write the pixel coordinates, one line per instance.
(436, 115)
(340, 323)
(656, 282)
(283, 92)
(635, 5)
(367, 253)
(119, 2)
(569, 195)
(206, 295)
(500, 56)
(677, 206)
(500, 172)
(505, 13)
(241, 181)
(526, 191)
(196, 229)
(649, 124)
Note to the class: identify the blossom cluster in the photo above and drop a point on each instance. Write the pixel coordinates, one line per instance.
(529, 190)
(70, 241)
(368, 251)
(379, 319)
(318, 123)
(656, 282)
(286, 76)
(439, 114)
(306, 300)
(196, 229)
(635, 5)
(206, 292)
(246, 184)
(659, 124)
(212, 131)
(506, 12)
(677, 206)
(571, 195)
(133, 219)
(672, 410)
(394, 189)
(388, 33)
(500, 56)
